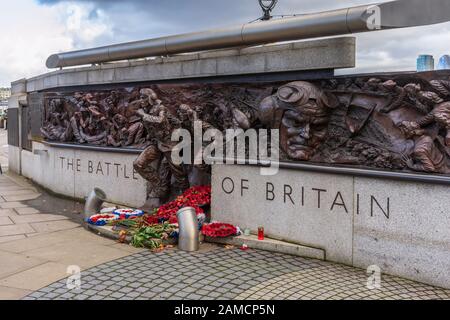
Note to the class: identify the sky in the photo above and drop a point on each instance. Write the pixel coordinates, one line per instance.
(31, 30)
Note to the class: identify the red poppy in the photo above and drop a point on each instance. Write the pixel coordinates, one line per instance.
(195, 197)
(151, 220)
(219, 230)
(173, 220)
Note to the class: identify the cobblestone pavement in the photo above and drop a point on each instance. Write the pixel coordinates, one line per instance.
(222, 273)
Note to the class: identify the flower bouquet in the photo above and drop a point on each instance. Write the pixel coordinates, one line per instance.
(160, 228)
(196, 197)
(219, 230)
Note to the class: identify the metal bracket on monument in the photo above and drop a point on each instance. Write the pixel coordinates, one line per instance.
(40, 152)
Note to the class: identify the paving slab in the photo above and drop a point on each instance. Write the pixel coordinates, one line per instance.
(10, 187)
(12, 205)
(12, 238)
(26, 211)
(16, 192)
(5, 221)
(6, 184)
(127, 248)
(7, 293)
(45, 227)
(36, 277)
(77, 234)
(19, 181)
(37, 242)
(31, 235)
(7, 213)
(83, 236)
(76, 253)
(22, 197)
(15, 230)
(37, 218)
(28, 220)
(12, 263)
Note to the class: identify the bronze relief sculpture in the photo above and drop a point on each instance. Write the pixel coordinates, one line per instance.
(391, 122)
(155, 163)
(301, 111)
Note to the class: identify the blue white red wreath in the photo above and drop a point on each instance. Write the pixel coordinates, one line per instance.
(128, 213)
(102, 219)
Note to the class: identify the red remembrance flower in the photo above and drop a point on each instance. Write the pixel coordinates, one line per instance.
(194, 197)
(219, 230)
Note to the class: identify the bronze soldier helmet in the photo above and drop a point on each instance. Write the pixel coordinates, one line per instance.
(389, 85)
(291, 96)
(413, 87)
(149, 94)
(300, 110)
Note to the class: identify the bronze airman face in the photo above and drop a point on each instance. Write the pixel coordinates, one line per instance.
(303, 129)
(148, 98)
(301, 111)
(144, 101)
(304, 125)
(183, 114)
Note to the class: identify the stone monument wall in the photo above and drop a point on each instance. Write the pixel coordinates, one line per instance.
(108, 126)
(59, 91)
(75, 172)
(402, 227)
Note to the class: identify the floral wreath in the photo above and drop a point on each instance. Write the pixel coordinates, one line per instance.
(128, 213)
(102, 219)
(219, 230)
(197, 197)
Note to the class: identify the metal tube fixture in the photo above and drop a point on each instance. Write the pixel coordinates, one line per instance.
(189, 230)
(366, 18)
(94, 203)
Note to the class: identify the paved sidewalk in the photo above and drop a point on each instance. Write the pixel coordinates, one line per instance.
(30, 264)
(40, 237)
(4, 149)
(218, 273)
(24, 210)
(20, 216)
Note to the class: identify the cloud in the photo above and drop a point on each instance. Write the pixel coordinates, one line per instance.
(85, 24)
(49, 26)
(31, 32)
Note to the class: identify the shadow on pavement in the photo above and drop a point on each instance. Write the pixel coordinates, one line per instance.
(52, 204)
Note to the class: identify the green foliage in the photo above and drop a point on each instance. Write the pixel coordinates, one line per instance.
(152, 236)
(129, 223)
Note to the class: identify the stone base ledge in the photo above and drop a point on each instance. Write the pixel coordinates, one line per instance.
(271, 245)
(252, 241)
